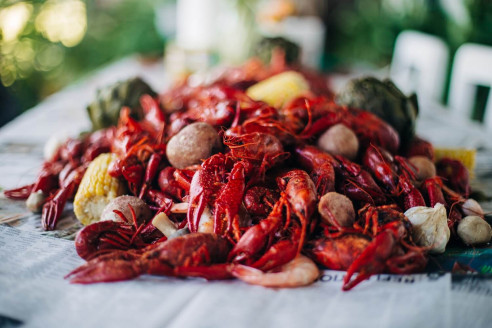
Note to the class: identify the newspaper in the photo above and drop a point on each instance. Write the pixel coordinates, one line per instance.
(34, 292)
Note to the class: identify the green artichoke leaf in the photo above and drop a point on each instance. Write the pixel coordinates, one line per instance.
(384, 99)
(265, 46)
(104, 111)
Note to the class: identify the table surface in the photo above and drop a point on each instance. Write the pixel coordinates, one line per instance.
(21, 145)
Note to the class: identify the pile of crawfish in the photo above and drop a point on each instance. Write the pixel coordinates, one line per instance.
(251, 210)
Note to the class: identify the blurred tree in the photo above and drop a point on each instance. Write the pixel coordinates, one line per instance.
(365, 31)
(44, 45)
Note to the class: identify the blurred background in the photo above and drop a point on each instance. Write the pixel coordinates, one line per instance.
(47, 45)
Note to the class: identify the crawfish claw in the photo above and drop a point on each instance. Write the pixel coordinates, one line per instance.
(372, 260)
(115, 266)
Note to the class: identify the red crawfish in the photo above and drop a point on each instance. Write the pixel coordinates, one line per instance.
(455, 175)
(59, 177)
(140, 148)
(338, 253)
(46, 182)
(420, 147)
(260, 246)
(388, 252)
(214, 104)
(301, 195)
(379, 243)
(357, 183)
(228, 201)
(154, 120)
(320, 165)
(174, 182)
(100, 237)
(436, 192)
(309, 116)
(263, 150)
(220, 185)
(322, 113)
(351, 180)
(268, 122)
(53, 208)
(432, 189)
(396, 179)
(151, 170)
(370, 129)
(391, 249)
(196, 254)
(160, 199)
(259, 200)
(105, 236)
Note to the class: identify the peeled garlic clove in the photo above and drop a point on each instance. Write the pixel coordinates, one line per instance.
(430, 227)
(474, 230)
(472, 207)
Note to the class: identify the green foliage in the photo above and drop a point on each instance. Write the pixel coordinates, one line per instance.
(33, 67)
(384, 99)
(105, 109)
(365, 31)
(114, 29)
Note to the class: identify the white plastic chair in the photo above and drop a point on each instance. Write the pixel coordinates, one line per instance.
(472, 66)
(419, 64)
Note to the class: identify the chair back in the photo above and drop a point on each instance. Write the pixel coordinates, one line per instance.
(472, 67)
(419, 64)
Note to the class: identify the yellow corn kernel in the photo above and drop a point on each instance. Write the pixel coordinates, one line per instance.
(96, 190)
(279, 89)
(465, 156)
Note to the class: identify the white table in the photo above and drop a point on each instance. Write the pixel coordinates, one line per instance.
(33, 291)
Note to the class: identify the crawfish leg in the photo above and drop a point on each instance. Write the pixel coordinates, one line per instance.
(21, 193)
(213, 272)
(279, 253)
(410, 262)
(229, 200)
(257, 236)
(372, 260)
(53, 209)
(150, 173)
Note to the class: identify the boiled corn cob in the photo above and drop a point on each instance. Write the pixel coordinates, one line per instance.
(96, 190)
(279, 89)
(465, 156)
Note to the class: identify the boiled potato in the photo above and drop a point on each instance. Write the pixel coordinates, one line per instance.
(194, 143)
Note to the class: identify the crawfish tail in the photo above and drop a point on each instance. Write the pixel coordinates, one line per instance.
(114, 266)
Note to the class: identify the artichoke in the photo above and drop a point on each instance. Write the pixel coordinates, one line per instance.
(264, 48)
(104, 111)
(385, 100)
